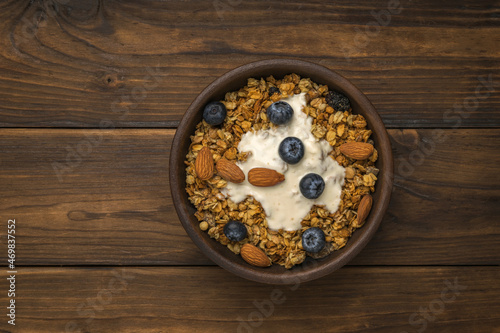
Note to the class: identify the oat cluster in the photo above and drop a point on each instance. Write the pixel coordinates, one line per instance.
(246, 111)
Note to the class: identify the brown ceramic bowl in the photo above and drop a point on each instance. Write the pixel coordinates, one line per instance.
(310, 269)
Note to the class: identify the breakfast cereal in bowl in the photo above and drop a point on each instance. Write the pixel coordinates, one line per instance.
(280, 170)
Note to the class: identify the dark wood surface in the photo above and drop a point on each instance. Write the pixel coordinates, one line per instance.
(137, 65)
(92, 53)
(208, 299)
(115, 206)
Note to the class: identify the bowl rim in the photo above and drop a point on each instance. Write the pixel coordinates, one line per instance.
(384, 184)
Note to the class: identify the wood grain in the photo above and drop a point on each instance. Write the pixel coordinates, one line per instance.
(141, 63)
(95, 200)
(208, 299)
(114, 206)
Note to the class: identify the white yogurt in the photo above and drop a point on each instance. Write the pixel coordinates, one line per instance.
(284, 205)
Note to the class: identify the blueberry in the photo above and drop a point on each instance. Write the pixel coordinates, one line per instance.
(312, 185)
(273, 90)
(235, 231)
(291, 150)
(279, 112)
(338, 101)
(214, 113)
(313, 240)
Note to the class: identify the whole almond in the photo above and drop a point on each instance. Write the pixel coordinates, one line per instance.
(254, 256)
(229, 171)
(264, 177)
(365, 205)
(204, 164)
(357, 150)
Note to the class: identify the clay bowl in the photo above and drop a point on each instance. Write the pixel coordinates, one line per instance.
(310, 269)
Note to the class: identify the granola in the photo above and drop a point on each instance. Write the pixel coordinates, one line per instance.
(246, 111)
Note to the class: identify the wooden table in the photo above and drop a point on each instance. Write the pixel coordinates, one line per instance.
(91, 94)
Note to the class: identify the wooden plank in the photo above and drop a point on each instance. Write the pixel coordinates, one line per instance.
(141, 63)
(114, 206)
(209, 299)
(446, 193)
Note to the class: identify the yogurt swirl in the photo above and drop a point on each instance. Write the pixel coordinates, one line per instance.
(284, 205)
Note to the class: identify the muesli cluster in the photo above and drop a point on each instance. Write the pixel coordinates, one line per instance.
(214, 162)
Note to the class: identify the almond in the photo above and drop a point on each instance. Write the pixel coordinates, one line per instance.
(264, 177)
(229, 171)
(364, 208)
(254, 256)
(357, 150)
(204, 164)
